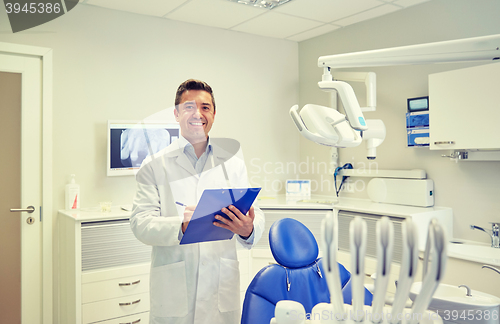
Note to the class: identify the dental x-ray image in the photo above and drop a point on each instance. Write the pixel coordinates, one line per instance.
(137, 144)
(130, 143)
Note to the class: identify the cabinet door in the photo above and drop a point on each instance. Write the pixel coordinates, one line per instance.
(465, 108)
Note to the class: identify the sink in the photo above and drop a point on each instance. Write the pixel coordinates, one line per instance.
(474, 251)
(452, 304)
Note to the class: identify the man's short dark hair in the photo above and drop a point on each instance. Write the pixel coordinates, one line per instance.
(192, 84)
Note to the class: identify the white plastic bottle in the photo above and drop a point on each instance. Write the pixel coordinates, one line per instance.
(72, 197)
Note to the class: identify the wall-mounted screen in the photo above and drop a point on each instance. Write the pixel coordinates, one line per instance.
(418, 104)
(130, 142)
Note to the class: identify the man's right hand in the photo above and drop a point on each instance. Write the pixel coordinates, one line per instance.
(188, 213)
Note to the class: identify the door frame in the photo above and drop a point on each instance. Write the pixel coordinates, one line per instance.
(45, 54)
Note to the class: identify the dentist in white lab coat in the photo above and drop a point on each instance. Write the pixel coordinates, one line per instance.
(193, 283)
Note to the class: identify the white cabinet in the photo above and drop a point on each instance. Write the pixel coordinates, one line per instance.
(465, 108)
(311, 215)
(103, 269)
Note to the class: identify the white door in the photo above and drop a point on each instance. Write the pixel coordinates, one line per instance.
(20, 187)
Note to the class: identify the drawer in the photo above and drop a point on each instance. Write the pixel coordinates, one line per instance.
(111, 273)
(114, 288)
(114, 308)
(142, 318)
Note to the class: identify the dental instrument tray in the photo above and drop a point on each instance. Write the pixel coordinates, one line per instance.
(336, 312)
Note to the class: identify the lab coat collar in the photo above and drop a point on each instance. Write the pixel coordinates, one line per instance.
(222, 148)
(183, 142)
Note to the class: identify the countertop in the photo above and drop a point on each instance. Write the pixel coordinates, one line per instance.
(94, 214)
(351, 204)
(471, 251)
(315, 202)
(282, 202)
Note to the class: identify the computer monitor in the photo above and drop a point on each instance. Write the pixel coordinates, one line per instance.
(130, 142)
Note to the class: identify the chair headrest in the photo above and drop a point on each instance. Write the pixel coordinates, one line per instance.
(292, 244)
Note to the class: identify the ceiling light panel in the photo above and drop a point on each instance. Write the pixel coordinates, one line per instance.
(156, 8)
(221, 14)
(266, 4)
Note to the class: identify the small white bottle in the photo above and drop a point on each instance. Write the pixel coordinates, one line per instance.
(72, 197)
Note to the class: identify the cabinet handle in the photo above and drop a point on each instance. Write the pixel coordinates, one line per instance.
(128, 283)
(444, 143)
(131, 303)
(135, 322)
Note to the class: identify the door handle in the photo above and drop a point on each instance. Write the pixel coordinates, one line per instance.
(30, 209)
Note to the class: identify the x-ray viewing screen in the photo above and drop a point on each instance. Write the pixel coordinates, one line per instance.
(130, 142)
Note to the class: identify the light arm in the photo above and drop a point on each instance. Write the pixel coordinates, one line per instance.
(370, 81)
(460, 50)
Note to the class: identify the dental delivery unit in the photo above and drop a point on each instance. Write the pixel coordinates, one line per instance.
(327, 126)
(434, 264)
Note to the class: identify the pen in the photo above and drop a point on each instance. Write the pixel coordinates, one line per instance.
(180, 204)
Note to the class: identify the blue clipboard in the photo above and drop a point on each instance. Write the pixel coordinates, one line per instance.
(201, 227)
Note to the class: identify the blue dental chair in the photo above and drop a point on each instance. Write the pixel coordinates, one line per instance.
(298, 275)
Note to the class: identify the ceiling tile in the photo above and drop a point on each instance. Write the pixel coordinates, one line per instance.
(215, 13)
(369, 14)
(408, 3)
(274, 24)
(296, 20)
(313, 33)
(145, 7)
(326, 10)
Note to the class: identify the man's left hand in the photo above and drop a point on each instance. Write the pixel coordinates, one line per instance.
(238, 223)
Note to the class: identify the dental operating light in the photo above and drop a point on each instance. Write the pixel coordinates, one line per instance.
(321, 125)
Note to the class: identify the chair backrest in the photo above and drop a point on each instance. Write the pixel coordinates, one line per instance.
(298, 276)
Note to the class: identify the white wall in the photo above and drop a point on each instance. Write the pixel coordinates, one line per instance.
(470, 188)
(117, 65)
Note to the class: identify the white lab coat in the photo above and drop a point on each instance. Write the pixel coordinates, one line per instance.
(193, 283)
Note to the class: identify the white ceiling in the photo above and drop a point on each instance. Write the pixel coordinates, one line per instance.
(296, 20)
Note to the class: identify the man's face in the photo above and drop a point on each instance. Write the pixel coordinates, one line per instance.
(195, 115)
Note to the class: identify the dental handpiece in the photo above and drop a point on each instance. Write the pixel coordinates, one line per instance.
(435, 246)
(357, 233)
(330, 266)
(385, 246)
(408, 269)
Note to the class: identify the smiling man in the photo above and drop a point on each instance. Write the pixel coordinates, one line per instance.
(192, 283)
(195, 113)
